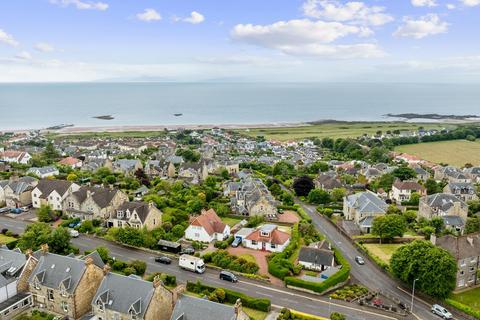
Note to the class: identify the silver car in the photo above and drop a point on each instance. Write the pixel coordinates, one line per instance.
(441, 312)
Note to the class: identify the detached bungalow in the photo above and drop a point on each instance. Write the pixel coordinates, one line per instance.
(267, 238)
(207, 227)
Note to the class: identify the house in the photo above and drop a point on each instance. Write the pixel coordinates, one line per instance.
(71, 162)
(451, 174)
(403, 190)
(193, 308)
(18, 193)
(422, 174)
(44, 172)
(267, 238)
(15, 269)
(466, 251)
(65, 285)
(137, 215)
(14, 156)
(127, 166)
(252, 198)
(88, 203)
(362, 208)
(130, 297)
(465, 191)
(473, 173)
(328, 182)
(52, 192)
(317, 256)
(207, 227)
(443, 205)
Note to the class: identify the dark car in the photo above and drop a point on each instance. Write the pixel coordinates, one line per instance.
(163, 259)
(228, 276)
(188, 250)
(359, 260)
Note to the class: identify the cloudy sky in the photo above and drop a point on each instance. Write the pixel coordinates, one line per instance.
(240, 40)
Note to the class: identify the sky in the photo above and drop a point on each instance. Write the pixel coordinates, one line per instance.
(240, 40)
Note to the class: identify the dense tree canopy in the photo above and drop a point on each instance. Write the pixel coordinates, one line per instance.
(303, 186)
(389, 226)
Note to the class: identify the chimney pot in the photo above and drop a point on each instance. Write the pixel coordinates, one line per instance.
(106, 269)
(44, 248)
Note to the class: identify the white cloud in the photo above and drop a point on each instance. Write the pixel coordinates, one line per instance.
(23, 55)
(82, 5)
(424, 26)
(8, 39)
(308, 38)
(257, 61)
(354, 11)
(451, 6)
(471, 3)
(424, 3)
(195, 18)
(44, 47)
(149, 15)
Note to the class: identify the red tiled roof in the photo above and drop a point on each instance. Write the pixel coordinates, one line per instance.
(276, 237)
(210, 221)
(69, 161)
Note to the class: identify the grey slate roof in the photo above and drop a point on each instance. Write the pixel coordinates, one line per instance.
(47, 186)
(453, 221)
(101, 196)
(11, 265)
(124, 294)
(462, 247)
(443, 201)
(141, 208)
(367, 202)
(316, 256)
(192, 308)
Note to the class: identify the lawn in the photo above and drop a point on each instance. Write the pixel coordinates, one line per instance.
(455, 152)
(248, 257)
(470, 298)
(334, 130)
(382, 251)
(5, 239)
(231, 221)
(255, 314)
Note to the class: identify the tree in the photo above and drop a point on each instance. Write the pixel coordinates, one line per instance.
(393, 209)
(338, 194)
(378, 154)
(50, 153)
(404, 173)
(104, 253)
(437, 223)
(317, 166)
(385, 182)
(472, 225)
(432, 186)
(337, 316)
(434, 267)
(389, 226)
(34, 236)
(410, 216)
(319, 196)
(284, 169)
(45, 213)
(72, 177)
(59, 241)
(303, 185)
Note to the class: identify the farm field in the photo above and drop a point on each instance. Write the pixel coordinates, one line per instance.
(335, 130)
(455, 152)
(382, 251)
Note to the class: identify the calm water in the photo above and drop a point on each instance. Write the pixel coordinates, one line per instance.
(42, 105)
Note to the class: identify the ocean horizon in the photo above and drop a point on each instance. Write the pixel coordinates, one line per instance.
(38, 106)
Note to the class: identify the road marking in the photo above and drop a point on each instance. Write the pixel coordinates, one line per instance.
(318, 300)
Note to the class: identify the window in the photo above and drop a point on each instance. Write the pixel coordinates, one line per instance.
(472, 269)
(254, 242)
(65, 306)
(273, 246)
(50, 294)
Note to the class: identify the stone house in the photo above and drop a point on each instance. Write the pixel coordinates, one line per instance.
(89, 203)
(403, 190)
(65, 285)
(463, 190)
(125, 298)
(451, 209)
(466, 251)
(137, 215)
(473, 173)
(127, 166)
(362, 208)
(52, 192)
(251, 198)
(18, 193)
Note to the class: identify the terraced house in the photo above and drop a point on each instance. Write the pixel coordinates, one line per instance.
(465, 191)
(65, 285)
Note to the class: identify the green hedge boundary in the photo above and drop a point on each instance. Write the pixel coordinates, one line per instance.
(231, 296)
(464, 308)
(279, 264)
(377, 260)
(302, 213)
(342, 275)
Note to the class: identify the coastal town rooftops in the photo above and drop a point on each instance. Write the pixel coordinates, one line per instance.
(443, 201)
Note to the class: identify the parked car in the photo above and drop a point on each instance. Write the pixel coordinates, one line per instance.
(2, 210)
(228, 276)
(16, 210)
(73, 233)
(359, 260)
(236, 242)
(74, 224)
(188, 250)
(163, 259)
(441, 312)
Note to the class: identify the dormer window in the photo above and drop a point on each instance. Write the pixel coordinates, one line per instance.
(264, 234)
(128, 214)
(119, 214)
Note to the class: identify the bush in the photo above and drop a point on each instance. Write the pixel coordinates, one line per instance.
(279, 264)
(231, 296)
(167, 279)
(463, 308)
(129, 270)
(337, 316)
(339, 277)
(223, 259)
(139, 266)
(302, 213)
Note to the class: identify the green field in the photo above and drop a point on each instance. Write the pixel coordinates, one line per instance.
(383, 251)
(455, 152)
(93, 134)
(470, 298)
(334, 130)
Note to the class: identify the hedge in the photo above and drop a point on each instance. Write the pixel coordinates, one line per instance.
(302, 213)
(385, 266)
(339, 277)
(232, 296)
(462, 307)
(279, 264)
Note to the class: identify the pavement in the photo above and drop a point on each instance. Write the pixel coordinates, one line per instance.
(279, 295)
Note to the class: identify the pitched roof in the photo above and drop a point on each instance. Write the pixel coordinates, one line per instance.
(122, 294)
(47, 186)
(275, 236)
(443, 201)
(210, 221)
(100, 195)
(367, 202)
(69, 161)
(408, 185)
(192, 308)
(316, 256)
(141, 208)
(11, 264)
(461, 247)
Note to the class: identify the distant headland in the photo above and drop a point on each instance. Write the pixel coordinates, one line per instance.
(433, 116)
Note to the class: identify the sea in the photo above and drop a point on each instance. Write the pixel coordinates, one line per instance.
(37, 106)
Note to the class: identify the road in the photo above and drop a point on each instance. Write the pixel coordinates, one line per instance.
(368, 275)
(280, 296)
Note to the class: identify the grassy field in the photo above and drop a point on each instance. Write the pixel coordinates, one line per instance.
(455, 152)
(125, 134)
(470, 298)
(335, 130)
(231, 221)
(5, 239)
(382, 251)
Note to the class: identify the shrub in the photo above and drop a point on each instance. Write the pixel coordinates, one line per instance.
(279, 264)
(464, 308)
(129, 270)
(139, 266)
(223, 259)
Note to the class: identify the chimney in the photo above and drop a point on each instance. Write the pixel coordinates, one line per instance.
(106, 269)
(470, 241)
(29, 253)
(238, 308)
(157, 282)
(44, 248)
(88, 261)
(177, 292)
(433, 239)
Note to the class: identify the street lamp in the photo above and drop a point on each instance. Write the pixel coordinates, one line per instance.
(413, 295)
